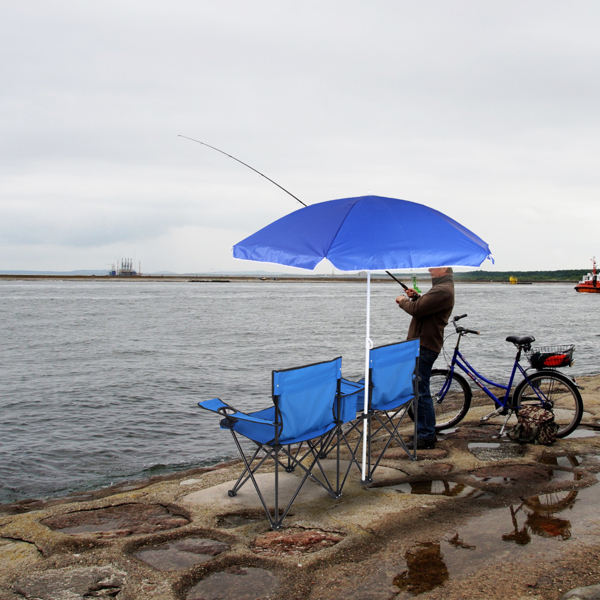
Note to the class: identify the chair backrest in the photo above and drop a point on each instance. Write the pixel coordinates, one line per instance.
(305, 397)
(393, 369)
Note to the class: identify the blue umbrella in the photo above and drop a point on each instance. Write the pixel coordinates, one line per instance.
(369, 233)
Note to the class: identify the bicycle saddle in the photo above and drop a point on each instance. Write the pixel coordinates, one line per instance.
(520, 341)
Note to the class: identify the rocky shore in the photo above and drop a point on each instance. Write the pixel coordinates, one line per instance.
(478, 517)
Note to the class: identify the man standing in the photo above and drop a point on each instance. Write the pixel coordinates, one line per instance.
(430, 314)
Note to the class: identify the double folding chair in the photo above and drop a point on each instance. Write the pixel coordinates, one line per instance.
(308, 408)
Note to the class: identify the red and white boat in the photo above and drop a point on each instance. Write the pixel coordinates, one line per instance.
(589, 283)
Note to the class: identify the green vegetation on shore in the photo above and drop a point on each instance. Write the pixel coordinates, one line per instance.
(565, 276)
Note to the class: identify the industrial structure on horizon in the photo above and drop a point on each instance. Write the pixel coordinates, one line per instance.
(126, 269)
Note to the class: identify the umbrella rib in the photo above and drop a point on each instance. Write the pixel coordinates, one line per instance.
(341, 224)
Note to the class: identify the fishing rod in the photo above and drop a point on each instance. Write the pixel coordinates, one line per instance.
(405, 287)
(269, 179)
(246, 165)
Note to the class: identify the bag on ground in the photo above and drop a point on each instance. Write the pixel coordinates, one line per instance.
(535, 425)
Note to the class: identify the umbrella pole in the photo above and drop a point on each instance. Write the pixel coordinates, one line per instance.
(368, 346)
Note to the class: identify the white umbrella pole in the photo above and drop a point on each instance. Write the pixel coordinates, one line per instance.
(368, 346)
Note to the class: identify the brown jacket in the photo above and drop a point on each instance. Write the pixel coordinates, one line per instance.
(430, 313)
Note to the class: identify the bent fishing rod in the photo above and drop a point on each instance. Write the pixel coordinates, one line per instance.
(246, 165)
(268, 179)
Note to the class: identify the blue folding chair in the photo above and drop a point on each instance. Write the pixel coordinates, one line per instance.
(307, 406)
(393, 383)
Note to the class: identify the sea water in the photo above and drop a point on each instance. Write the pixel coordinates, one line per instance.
(100, 380)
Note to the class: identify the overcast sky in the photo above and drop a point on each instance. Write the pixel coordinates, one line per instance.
(486, 111)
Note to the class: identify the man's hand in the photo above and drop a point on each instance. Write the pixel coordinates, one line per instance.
(412, 294)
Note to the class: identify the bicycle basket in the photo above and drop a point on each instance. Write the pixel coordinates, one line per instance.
(551, 357)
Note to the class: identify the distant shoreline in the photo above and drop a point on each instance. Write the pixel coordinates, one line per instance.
(375, 279)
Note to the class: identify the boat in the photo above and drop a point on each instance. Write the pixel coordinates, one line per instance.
(589, 283)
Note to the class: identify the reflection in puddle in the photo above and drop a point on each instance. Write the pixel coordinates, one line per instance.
(534, 525)
(536, 522)
(569, 460)
(235, 583)
(426, 569)
(181, 553)
(438, 487)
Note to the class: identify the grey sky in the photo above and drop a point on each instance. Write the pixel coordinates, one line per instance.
(486, 111)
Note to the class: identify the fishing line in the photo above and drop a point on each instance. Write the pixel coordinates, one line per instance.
(246, 165)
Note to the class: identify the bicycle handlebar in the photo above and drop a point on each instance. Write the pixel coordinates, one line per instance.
(463, 330)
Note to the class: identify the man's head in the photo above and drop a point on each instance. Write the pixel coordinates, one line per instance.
(439, 271)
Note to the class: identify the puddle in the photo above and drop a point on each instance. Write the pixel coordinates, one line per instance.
(447, 431)
(235, 583)
(538, 526)
(181, 554)
(437, 487)
(582, 433)
(495, 450)
(295, 541)
(117, 521)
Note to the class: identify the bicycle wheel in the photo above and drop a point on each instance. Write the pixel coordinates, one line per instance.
(453, 406)
(556, 390)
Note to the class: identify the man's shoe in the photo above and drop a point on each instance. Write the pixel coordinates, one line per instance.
(422, 444)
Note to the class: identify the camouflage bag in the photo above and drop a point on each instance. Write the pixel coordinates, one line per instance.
(535, 425)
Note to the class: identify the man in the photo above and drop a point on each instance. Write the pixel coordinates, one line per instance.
(430, 314)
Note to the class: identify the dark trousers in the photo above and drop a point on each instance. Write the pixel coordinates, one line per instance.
(426, 414)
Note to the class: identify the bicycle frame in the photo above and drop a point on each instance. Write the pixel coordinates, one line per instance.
(459, 360)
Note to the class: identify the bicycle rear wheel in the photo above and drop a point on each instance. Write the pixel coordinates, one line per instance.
(559, 392)
(452, 407)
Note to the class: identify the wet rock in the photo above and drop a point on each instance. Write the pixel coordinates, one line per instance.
(496, 450)
(71, 584)
(583, 593)
(295, 541)
(437, 469)
(433, 454)
(181, 554)
(235, 583)
(15, 551)
(117, 521)
(521, 473)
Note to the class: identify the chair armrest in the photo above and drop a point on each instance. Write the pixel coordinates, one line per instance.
(348, 387)
(217, 406)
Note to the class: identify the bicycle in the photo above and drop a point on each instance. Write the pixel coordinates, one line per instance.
(545, 387)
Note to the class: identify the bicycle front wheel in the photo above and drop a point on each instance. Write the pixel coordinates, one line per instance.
(452, 405)
(554, 389)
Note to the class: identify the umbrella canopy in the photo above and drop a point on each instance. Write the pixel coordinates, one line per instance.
(367, 233)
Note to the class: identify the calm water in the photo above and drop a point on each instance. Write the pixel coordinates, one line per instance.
(100, 380)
